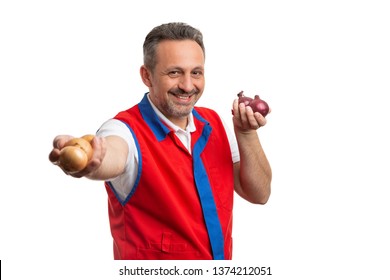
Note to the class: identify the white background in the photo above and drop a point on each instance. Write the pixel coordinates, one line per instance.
(324, 68)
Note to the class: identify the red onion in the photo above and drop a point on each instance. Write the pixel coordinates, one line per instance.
(259, 105)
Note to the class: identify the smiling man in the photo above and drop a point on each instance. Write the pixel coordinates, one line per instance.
(170, 168)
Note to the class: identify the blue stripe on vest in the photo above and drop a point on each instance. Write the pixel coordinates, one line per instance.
(138, 172)
(206, 196)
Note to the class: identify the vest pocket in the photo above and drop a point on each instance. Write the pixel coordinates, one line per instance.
(168, 249)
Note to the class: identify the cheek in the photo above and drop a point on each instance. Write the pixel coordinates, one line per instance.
(199, 84)
(166, 84)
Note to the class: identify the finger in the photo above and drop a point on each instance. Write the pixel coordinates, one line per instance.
(235, 107)
(60, 140)
(260, 119)
(252, 120)
(54, 155)
(242, 113)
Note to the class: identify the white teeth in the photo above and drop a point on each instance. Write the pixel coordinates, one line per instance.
(183, 97)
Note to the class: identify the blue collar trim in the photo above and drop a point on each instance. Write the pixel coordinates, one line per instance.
(159, 129)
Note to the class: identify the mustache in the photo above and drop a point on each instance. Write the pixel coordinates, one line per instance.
(177, 91)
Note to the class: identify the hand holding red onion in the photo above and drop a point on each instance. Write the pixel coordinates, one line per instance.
(256, 103)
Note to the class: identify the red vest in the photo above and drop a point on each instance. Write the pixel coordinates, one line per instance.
(181, 204)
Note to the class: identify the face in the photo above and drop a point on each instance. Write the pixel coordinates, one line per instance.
(177, 82)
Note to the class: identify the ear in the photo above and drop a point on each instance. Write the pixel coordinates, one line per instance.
(145, 76)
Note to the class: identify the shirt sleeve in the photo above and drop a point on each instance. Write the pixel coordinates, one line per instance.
(232, 142)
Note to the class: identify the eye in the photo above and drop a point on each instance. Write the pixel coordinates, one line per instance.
(174, 73)
(197, 73)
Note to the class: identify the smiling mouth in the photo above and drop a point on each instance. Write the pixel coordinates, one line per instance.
(183, 97)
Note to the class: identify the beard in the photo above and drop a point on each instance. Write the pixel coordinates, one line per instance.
(175, 108)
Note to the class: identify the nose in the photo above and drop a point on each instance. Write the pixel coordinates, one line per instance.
(186, 84)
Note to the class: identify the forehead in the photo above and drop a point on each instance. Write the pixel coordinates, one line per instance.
(179, 52)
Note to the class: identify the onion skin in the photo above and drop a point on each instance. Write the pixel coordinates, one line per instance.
(244, 99)
(73, 159)
(75, 154)
(88, 137)
(81, 143)
(259, 105)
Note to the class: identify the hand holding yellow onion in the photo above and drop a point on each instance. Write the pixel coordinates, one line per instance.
(76, 153)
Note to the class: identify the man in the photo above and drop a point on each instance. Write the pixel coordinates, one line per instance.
(170, 168)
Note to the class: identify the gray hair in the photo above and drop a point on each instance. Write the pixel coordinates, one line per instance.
(168, 31)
